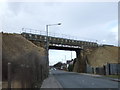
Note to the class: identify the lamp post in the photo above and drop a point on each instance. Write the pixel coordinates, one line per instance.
(47, 34)
(71, 55)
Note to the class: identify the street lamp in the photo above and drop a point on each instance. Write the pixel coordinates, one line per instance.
(47, 46)
(47, 42)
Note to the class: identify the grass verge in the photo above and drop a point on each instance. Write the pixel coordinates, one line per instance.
(113, 76)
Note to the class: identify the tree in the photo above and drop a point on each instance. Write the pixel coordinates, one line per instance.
(70, 67)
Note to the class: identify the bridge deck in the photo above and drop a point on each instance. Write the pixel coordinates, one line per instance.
(58, 41)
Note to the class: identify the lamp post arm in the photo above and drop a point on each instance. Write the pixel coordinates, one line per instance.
(54, 24)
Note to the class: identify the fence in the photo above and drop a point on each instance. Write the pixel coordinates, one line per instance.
(26, 75)
(89, 69)
(108, 69)
(100, 70)
(112, 69)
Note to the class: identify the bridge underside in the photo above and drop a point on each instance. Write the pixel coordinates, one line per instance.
(65, 48)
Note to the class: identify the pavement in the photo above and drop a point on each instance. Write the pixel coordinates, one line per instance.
(0, 85)
(51, 82)
(62, 79)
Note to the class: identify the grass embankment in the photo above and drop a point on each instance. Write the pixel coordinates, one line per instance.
(103, 55)
(27, 61)
(113, 76)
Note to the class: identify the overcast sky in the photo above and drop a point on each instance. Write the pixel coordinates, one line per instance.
(80, 20)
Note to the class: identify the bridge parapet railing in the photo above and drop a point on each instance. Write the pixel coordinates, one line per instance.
(60, 35)
(41, 35)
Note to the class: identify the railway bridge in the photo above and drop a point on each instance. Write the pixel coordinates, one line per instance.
(60, 44)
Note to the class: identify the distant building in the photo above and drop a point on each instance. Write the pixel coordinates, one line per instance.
(64, 66)
(69, 62)
(61, 66)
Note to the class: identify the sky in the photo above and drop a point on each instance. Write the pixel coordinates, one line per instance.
(89, 21)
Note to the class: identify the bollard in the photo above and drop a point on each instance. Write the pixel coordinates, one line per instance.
(9, 75)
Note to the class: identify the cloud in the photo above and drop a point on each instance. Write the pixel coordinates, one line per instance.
(114, 30)
(15, 7)
(74, 16)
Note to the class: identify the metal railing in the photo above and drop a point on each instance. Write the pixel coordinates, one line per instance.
(58, 35)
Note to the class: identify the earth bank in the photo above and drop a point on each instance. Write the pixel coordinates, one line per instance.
(28, 63)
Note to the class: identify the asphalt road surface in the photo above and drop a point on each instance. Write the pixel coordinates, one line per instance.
(76, 80)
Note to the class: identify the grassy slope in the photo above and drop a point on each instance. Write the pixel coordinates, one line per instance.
(18, 50)
(15, 45)
(103, 55)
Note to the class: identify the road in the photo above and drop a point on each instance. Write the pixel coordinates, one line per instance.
(76, 80)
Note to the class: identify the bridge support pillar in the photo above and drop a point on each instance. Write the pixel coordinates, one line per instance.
(80, 64)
